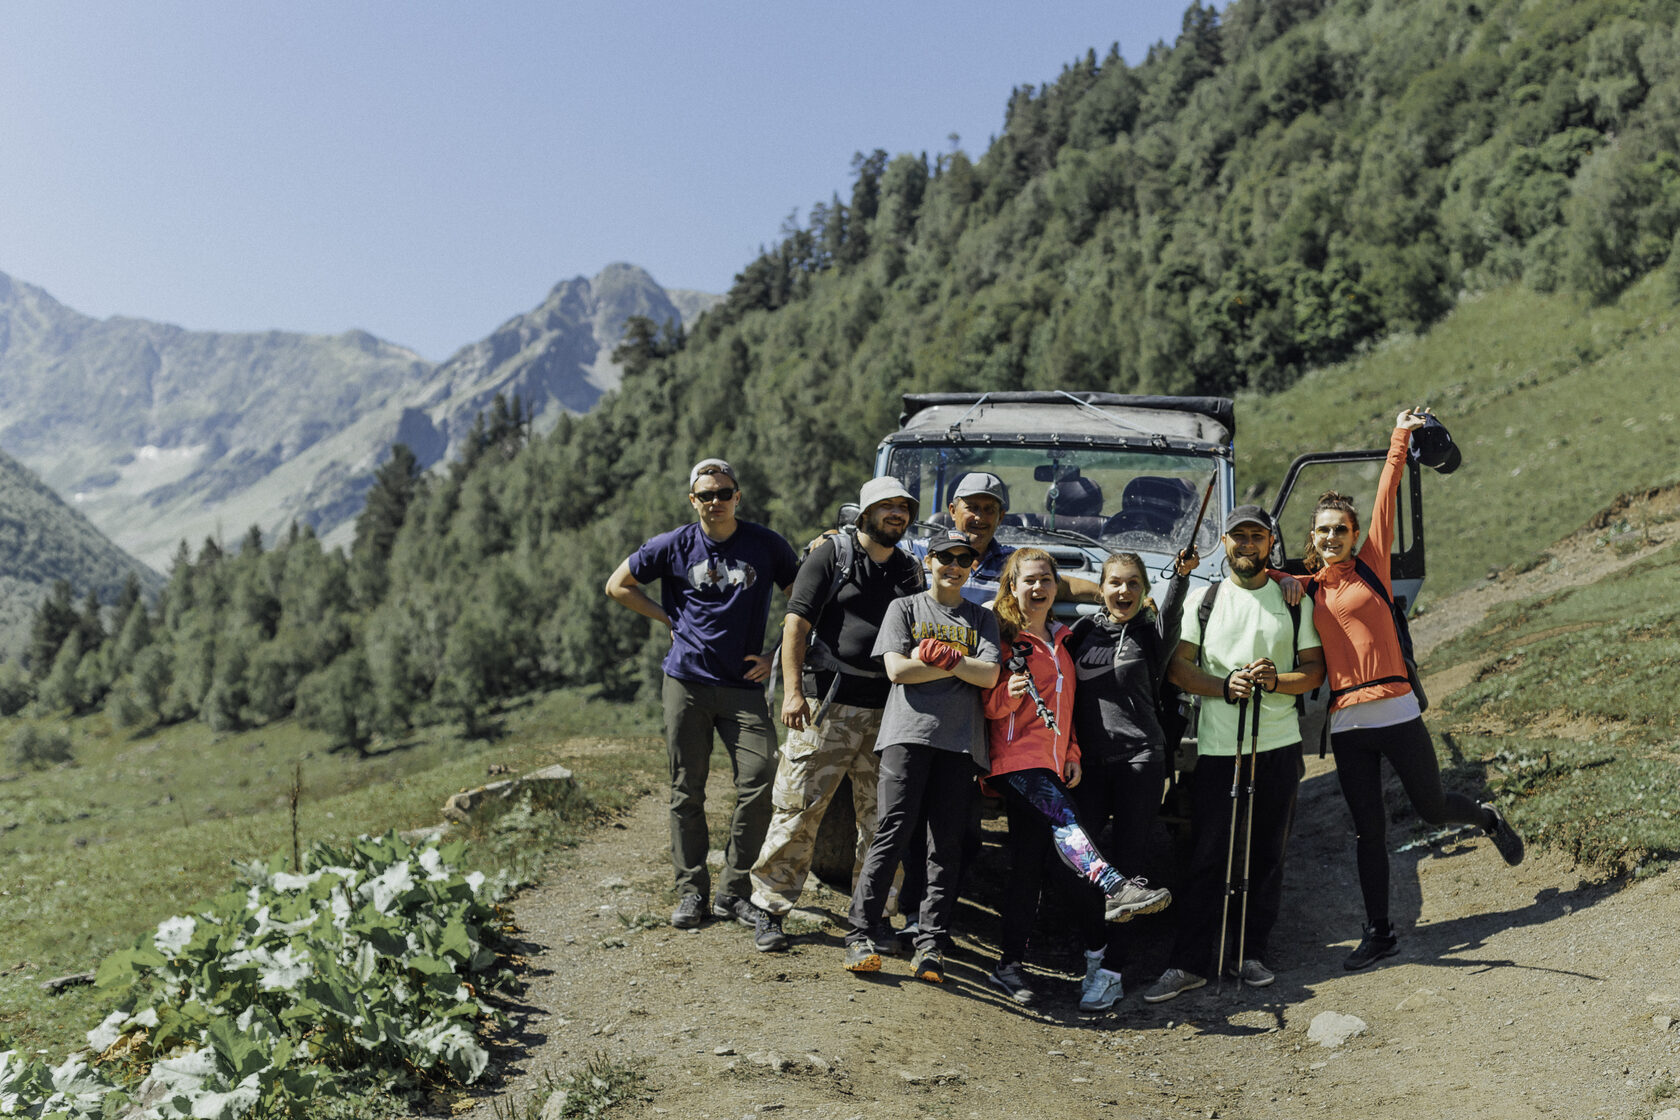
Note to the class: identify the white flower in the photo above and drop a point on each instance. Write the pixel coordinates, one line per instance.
(173, 934)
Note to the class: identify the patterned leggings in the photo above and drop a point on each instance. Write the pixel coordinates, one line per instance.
(1034, 798)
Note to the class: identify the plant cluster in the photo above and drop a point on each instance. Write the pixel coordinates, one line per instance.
(360, 975)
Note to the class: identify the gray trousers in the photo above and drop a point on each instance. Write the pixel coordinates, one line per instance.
(740, 718)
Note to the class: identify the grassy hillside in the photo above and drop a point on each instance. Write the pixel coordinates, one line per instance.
(1559, 406)
(135, 830)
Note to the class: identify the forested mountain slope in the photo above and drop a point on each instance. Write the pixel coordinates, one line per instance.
(1293, 185)
(43, 541)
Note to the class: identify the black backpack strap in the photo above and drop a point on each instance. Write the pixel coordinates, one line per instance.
(1204, 612)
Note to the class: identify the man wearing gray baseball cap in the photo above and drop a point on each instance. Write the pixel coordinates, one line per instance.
(834, 691)
(977, 506)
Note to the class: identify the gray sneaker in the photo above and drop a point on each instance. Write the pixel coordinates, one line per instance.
(1100, 990)
(690, 912)
(929, 965)
(862, 956)
(768, 936)
(734, 906)
(1012, 982)
(1172, 982)
(1135, 896)
(1252, 973)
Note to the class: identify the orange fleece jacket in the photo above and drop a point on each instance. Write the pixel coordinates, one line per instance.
(1360, 642)
(1018, 737)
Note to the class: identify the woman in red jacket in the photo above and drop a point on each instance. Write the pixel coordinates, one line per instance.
(1374, 712)
(1034, 762)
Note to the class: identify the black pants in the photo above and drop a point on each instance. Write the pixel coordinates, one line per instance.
(917, 783)
(1277, 777)
(1410, 751)
(1129, 794)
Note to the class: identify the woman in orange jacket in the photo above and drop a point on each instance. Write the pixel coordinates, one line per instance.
(1035, 761)
(1374, 711)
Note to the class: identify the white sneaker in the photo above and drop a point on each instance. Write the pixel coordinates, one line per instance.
(1101, 988)
(1253, 973)
(1135, 896)
(1172, 982)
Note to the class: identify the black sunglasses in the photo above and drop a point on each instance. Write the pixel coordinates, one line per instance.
(722, 494)
(960, 559)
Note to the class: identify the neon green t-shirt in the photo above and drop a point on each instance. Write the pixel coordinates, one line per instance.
(1246, 626)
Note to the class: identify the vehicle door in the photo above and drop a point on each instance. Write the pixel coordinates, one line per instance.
(1354, 473)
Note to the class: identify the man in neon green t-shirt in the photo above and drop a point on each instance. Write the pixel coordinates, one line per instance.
(1251, 652)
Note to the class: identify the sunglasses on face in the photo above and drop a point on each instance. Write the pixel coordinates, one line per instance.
(960, 559)
(1331, 530)
(722, 494)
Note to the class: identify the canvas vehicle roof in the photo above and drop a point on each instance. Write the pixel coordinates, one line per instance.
(1202, 422)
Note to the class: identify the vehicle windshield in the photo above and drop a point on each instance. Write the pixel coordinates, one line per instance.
(1126, 500)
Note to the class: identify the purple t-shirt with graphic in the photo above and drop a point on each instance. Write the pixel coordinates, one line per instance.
(718, 596)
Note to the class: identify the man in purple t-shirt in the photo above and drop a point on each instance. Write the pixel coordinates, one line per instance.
(715, 578)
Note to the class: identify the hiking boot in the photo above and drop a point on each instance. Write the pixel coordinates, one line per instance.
(1252, 973)
(1373, 947)
(1135, 896)
(734, 906)
(767, 933)
(1172, 982)
(928, 965)
(1505, 837)
(1100, 990)
(690, 912)
(862, 956)
(1012, 982)
(904, 941)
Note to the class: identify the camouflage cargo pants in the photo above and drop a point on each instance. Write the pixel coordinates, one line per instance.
(811, 766)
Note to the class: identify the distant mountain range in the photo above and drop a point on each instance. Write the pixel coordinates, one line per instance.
(159, 434)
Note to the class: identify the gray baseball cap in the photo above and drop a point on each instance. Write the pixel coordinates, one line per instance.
(884, 489)
(711, 466)
(979, 482)
(1250, 515)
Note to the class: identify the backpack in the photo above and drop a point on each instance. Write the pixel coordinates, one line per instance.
(819, 658)
(1176, 708)
(1402, 630)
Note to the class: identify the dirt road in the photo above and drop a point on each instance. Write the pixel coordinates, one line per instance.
(1525, 993)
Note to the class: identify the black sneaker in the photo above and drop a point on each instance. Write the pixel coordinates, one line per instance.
(928, 965)
(1505, 837)
(1012, 982)
(690, 912)
(767, 933)
(1373, 947)
(734, 906)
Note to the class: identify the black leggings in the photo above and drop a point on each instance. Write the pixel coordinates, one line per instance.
(1408, 748)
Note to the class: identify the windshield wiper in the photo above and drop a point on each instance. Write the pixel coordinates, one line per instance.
(1065, 534)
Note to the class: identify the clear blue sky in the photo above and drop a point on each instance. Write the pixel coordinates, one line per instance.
(426, 170)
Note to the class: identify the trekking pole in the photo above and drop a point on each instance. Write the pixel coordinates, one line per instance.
(1196, 529)
(1230, 850)
(1020, 651)
(1248, 837)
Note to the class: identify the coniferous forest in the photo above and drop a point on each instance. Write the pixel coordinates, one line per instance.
(1289, 182)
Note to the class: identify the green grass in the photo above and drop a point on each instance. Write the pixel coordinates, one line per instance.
(1558, 407)
(1596, 660)
(136, 830)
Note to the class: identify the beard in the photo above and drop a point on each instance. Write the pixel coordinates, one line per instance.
(1247, 566)
(875, 525)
